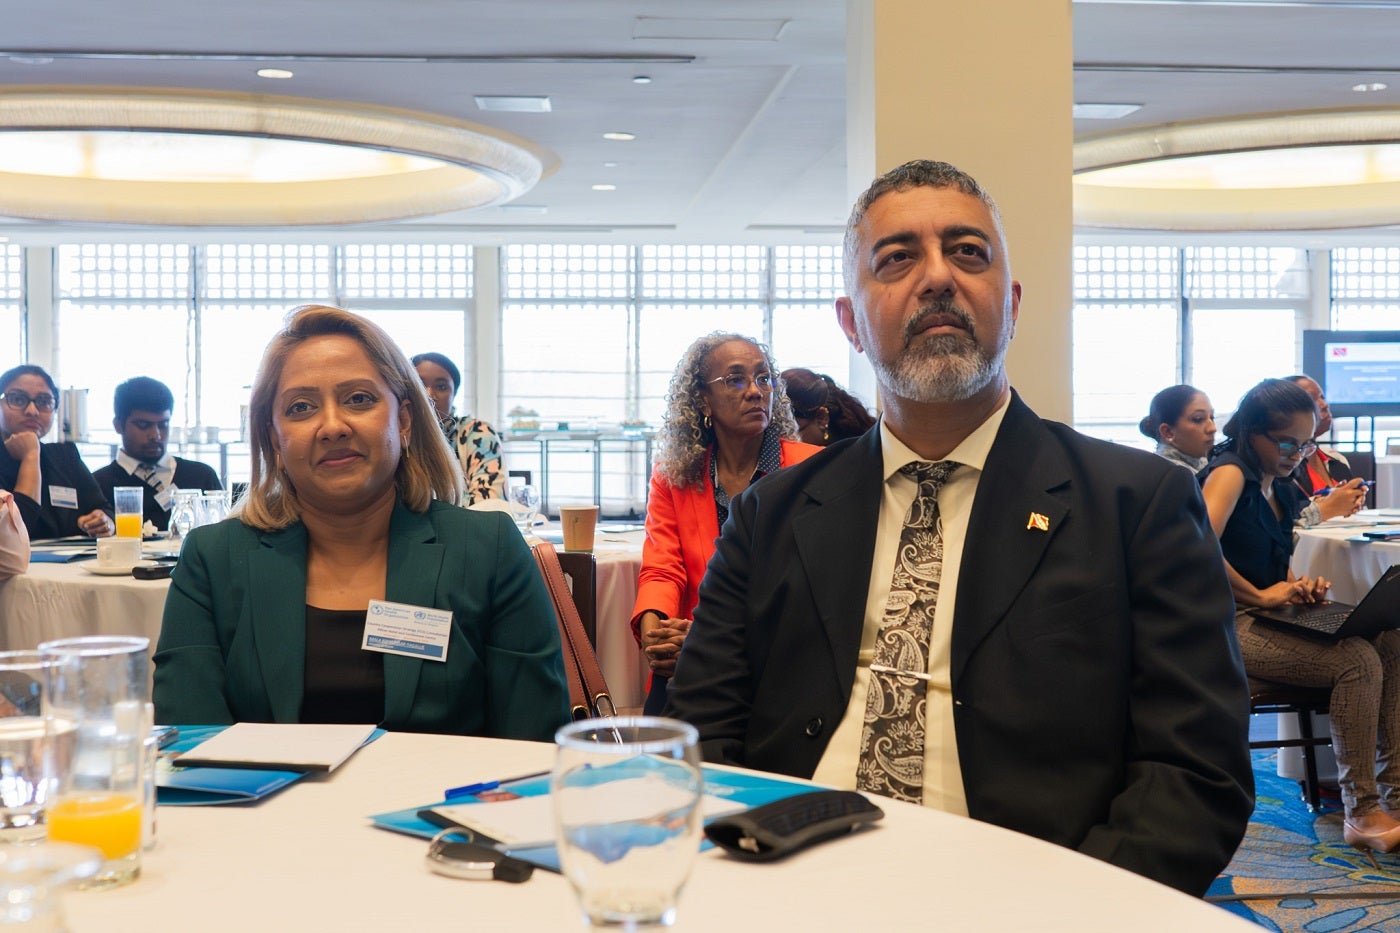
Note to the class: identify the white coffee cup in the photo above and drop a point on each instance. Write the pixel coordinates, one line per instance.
(113, 553)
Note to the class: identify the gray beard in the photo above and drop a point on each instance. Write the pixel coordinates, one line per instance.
(942, 368)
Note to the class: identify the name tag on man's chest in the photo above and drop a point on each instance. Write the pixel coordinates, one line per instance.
(412, 631)
(63, 497)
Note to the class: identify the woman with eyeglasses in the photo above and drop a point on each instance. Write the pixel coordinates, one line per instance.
(53, 488)
(824, 411)
(727, 423)
(1253, 504)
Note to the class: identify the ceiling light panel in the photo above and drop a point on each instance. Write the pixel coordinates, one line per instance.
(511, 104)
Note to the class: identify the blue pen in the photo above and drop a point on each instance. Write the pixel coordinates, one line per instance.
(467, 790)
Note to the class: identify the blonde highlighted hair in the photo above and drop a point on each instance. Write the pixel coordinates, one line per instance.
(426, 470)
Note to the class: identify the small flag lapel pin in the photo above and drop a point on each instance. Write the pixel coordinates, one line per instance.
(1038, 522)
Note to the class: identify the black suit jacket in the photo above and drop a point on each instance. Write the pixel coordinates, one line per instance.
(60, 465)
(1099, 697)
(189, 474)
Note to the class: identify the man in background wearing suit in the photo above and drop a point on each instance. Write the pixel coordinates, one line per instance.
(970, 607)
(143, 408)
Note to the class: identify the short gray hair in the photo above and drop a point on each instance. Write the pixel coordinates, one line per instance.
(920, 173)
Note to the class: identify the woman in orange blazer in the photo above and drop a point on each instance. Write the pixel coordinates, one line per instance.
(728, 423)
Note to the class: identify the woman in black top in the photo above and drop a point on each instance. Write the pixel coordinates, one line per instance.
(54, 490)
(1253, 505)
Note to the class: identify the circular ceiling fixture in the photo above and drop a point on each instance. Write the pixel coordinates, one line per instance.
(215, 159)
(1295, 171)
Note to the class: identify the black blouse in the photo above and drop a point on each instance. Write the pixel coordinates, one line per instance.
(341, 682)
(60, 465)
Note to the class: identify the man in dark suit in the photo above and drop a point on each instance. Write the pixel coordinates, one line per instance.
(143, 406)
(1044, 641)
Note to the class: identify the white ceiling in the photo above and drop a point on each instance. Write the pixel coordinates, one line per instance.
(738, 139)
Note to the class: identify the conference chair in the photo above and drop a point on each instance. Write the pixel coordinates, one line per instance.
(1268, 697)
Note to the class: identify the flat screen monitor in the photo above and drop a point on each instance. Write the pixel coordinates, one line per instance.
(1359, 370)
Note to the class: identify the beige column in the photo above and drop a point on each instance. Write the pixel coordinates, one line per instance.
(988, 87)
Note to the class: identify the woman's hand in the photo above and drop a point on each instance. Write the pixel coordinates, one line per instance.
(661, 642)
(23, 445)
(1311, 589)
(1285, 591)
(96, 523)
(1346, 499)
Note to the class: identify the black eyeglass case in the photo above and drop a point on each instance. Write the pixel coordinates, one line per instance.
(776, 830)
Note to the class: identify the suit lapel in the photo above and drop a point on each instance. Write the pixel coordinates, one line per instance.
(1003, 545)
(415, 563)
(275, 570)
(835, 534)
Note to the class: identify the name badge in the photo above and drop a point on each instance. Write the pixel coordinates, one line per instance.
(163, 497)
(63, 497)
(412, 631)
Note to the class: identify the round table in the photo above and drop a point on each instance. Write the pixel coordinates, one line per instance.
(308, 859)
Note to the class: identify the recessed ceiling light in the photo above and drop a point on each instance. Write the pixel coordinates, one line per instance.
(605, 187)
(274, 73)
(642, 79)
(525, 208)
(1369, 86)
(31, 59)
(622, 137)
(513, 104)
(1104, 111)
(609, 165)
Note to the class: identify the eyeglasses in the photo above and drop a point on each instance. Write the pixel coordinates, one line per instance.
(739, 383)
(1289, 448)
(19, 401)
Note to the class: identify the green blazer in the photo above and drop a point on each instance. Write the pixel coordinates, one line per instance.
(233, 639)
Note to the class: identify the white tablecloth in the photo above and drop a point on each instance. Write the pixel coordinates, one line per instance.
(61, 600)
(308, 859)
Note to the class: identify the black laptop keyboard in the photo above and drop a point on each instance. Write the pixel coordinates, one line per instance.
(1326, 621)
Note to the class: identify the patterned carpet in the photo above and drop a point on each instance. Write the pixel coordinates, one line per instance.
(1288, 850)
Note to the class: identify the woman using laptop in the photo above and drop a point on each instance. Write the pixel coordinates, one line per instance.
(1253, 505)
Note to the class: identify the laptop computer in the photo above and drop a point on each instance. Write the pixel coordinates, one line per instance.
(1378, 611)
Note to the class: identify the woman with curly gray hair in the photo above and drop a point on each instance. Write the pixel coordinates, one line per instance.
(728, 422)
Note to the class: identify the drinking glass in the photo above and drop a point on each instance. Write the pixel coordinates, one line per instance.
(184, 514)
(30, 879)
(524, 506)
(129, 501)
(103, 685)
(34, 748)
(626, 797)
(213, 507)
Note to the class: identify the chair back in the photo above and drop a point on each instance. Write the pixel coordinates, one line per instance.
(588, 692)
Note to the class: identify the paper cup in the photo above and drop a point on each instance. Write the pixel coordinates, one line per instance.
(578, 522)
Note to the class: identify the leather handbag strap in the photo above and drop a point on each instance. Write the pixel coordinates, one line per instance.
(588, 691)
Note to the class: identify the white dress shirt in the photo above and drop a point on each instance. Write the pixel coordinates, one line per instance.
(943, 788)
(165, 468)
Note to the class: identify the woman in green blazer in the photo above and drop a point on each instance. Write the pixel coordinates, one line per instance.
(351, 509)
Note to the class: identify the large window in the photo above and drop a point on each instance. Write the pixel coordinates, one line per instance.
(12, 304)
(198, 318)
(1146, 317)
(592, 334)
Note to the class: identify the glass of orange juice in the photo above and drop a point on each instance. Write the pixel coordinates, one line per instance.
(128, 501)
(103, 685)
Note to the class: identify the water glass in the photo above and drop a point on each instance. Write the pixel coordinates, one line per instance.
(30, 879)
(626, 797)
(34, 748)
(184, 513)
(103, 685)
(524, 501)
(213, 507)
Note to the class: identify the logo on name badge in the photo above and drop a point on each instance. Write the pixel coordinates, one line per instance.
(1038, 522)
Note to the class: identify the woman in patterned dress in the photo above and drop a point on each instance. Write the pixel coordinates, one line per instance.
(476, 443)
